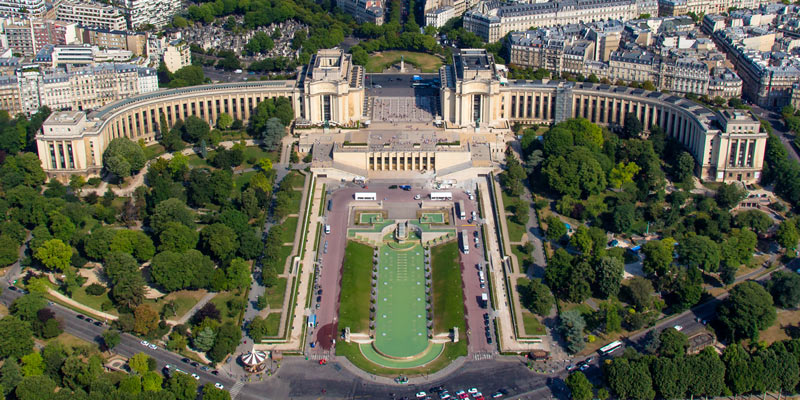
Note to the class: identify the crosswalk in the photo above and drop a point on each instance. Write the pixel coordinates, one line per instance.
(483, 356)
(237, 387)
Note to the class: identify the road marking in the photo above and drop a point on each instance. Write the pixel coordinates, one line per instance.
(237, 387)
(467, 226)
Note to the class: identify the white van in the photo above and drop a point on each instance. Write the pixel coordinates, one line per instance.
(327, 229)
(481, 277)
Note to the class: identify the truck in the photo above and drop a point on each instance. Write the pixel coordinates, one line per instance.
(484, 300)
(461, 212)
(464, 242)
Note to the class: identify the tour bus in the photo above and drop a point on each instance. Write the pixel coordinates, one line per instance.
(464, 242)
(461, 212)
(365, 196)
(441, 196)
(610, 348)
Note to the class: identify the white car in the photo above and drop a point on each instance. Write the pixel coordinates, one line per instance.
(219, 386)
(421, 395)
(678, 328)
(473, 215)
(144, 343)
(417, 197)
(195, 376)
(472, 391)
(153, 347)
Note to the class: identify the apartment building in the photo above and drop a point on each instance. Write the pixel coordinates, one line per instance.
(177, 55)
(149, 12)
(364, 10)
(438, 17)
(23, 8)
(135, 42)
(27, 36)
(699, 7)
(768, 76)
(89, 14)
(77, 89)
(493, 20)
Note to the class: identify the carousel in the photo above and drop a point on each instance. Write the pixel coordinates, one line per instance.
(254, 361)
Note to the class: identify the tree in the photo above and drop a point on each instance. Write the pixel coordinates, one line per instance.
(146, 319)
(151, 381)
(272, 133)
(140, 363)
(176, 271)
(658, 256)
(54, 254)
(16, 337)
(629, 378)
(785, 289)
(183, 386)
(9, 250)
(640, 291)
(195, 129)
(10, 376)
(225, 343)
(122, 157)
(27, 306)
(131, 384)
(632, 127)
(224, 121)
(622, 173)
(132, 242)
(684, 167)
(171, 210)
(756, 220)
(61, 227)
(669, 378)
(118, 266)
(111, 339)
(258, 329)
(220, 240)
(97, 245)
(609, 272)
(699, 252)
(35, 388)
(623, 217)
(238, 274)
(212, 393)
(579, 387)
(747, 310)
(729, 195)
(177, 237)
(571, 325)
(787, 234)
(672, 343)
(204, 339)
(536, 296)
(32, 364)
(555, 228)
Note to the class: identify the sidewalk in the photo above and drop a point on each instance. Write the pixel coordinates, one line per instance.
(194, 309)
(88, 310)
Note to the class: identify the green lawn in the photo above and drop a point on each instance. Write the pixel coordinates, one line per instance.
(195, 161)
(153, 151)
(259, 153)
(289, 226)
(275, 294)
(183, 300)
(515, 230)
(508, 201)
(448, 296)
(296, 196)
(353, 353)
(221, 301)
(379, 61)
(532, 324)
(522, 257)
(354, 298)
(242, 179)
(273, 324)
(400, 323)
(94, 302)
(296, 179)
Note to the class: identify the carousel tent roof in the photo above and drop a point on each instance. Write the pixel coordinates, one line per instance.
(254, 357)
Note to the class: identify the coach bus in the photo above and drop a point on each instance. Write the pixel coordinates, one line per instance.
(610, 348)
(365, 196)
(461, 212)
(441, 196)
(464, 242)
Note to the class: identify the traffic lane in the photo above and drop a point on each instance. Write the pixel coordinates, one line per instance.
(476, 327)
(128, 346)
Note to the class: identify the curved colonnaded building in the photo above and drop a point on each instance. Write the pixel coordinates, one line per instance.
(476, 98)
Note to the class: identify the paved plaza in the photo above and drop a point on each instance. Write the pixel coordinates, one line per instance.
(405, 109)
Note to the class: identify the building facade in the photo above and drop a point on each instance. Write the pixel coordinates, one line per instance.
(474, 93)
(364, 10)
(28, 36)
(177, 55)
(493, 20)
(88, 14)
(149, 12)
(135, 42)
(23, 8)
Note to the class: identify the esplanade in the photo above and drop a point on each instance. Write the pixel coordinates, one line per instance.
(478, 106)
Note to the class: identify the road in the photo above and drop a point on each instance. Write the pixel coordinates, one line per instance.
(778, 129)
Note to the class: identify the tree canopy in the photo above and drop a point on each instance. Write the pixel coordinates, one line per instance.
(123, 157)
